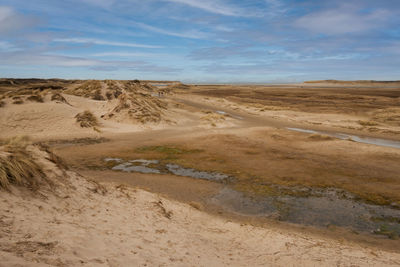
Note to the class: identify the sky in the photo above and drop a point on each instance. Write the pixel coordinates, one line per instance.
(201, 41)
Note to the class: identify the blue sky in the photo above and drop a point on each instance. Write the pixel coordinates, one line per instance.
(201, 40)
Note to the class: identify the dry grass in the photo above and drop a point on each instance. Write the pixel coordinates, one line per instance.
(213, 118)
(86, 119)
(88, 89)
(389, 116)
(139, 107)
(17, 167)
(2, 103)
(17, 100)
(36, 98)
(18, 142)
(59, 98)
(368, 123)
(113, 91)
(97, 95)
(163, 210)
(53, 157)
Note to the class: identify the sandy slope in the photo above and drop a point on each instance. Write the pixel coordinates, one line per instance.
(50, 120)
(79, 223)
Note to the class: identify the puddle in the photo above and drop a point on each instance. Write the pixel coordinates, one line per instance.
(154, 166)
(129, 167)
(112, 159)
(212, 176)
(355, 138)
(326, 209)
(225, 113)
(139, 165)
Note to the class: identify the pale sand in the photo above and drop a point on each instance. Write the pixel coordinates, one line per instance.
(79, 226)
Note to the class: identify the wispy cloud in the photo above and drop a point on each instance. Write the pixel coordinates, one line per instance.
(343, 20)
(54, 60)
(214, 6)
(103, 42)
(130, 54)
(101, 3)
(6, 46)
(193, 34)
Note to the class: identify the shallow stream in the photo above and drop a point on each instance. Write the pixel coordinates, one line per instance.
(355, 138)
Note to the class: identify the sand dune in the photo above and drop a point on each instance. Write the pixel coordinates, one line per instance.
(76, 222)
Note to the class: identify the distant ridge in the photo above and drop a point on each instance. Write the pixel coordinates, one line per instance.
(354, 82)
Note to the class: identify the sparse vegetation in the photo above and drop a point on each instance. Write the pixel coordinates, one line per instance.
(58, 98)
(386, 230)
(213, 118)
(17, 100)
(389, 116)
(36, 98)
(320, 137)
(78, 141)
(86, 119)
(173, 150)
(97, 95)
(138, 106)
(88, 89)
(368, 123)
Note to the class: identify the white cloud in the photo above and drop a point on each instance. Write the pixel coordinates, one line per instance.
(342, 20)
(103, 42)
(10, 21)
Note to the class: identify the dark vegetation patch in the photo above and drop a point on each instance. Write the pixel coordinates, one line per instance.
(35, 98)
(77, 141)
(167, 149)
(17, 100)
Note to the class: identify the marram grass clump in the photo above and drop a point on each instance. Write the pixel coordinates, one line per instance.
(17, 167)
(58, 98)
(86, 119)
